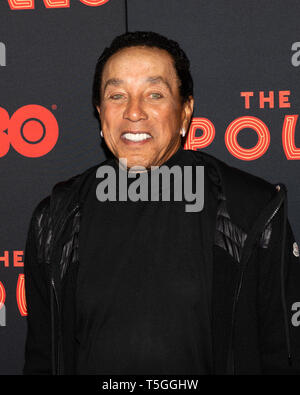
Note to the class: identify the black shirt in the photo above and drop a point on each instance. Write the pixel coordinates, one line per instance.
(142, 288)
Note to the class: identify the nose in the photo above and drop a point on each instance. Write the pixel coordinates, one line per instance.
(134, 111)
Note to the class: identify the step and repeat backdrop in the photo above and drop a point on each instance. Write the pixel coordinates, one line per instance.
(245, 59)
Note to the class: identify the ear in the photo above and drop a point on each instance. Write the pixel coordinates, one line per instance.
(188, 108)
(98, 109)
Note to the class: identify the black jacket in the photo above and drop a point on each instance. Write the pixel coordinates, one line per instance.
(255, 277)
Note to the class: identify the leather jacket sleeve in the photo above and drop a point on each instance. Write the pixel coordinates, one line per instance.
(279, 295)
(37, 291)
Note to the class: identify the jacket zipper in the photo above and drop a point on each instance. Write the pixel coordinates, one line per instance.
(57, 368)
(236, 297)
(58, 340)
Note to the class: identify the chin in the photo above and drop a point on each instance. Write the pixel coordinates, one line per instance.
(145, 158)
(137, 163)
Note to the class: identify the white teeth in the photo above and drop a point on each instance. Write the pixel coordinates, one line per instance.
(136, 136)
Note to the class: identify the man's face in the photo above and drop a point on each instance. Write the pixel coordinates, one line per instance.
(140, 109)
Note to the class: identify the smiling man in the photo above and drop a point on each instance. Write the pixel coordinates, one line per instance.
(141, 108)
(144, 287)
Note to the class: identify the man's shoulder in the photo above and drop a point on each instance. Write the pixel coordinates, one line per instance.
(231, 175)
(63, 193)
(246, 194)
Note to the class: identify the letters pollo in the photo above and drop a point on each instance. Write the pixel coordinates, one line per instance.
(30, 4)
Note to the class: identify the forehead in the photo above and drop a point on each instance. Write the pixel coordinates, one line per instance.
(139, 62)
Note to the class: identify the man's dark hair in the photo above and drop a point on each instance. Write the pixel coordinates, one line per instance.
(149, 39)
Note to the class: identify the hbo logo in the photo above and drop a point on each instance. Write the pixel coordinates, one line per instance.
(32, 131)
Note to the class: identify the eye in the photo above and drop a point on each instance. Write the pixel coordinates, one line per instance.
(116, 96)
(156, 95)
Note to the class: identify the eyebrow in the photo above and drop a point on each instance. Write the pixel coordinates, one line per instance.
(151, 80)
(157, 80)
(113, 81)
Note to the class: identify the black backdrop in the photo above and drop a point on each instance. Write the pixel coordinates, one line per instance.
(47, 59)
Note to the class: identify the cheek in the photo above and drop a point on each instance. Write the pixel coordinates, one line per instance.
(168, 122)
(170, 112)
(110, 116)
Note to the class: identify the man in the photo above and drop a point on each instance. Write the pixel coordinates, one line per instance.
(144, 287)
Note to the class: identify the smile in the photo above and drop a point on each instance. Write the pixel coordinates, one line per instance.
(136, 137)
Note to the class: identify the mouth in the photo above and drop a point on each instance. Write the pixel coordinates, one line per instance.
(136, 137)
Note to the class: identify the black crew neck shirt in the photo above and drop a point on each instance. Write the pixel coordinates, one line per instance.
(142, 296)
